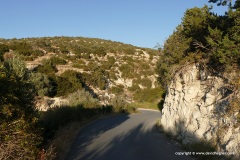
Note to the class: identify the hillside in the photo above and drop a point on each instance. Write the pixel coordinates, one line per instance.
(104, 68)
(52, 86)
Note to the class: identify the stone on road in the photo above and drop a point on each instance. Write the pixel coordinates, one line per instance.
(124, 137)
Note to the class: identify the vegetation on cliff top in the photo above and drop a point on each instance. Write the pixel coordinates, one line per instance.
(203, 37)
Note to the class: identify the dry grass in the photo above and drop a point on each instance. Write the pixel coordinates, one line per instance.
(64, 138)
(146, 105)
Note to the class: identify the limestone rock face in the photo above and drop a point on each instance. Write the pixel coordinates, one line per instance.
(195, 109)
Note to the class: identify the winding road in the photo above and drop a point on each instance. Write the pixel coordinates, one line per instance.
(124, 137)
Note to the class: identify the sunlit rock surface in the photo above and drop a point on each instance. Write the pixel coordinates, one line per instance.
(195, 109)
(46, 103)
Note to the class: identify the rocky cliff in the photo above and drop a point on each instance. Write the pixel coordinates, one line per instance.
(195, 109)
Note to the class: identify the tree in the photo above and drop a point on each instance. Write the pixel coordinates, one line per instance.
(195, 26)
(176, 48)
(221, 2)
(223, 38)
(202, 37)
(226, 3)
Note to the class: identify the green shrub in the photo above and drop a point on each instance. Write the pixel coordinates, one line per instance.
(120, 105)
(77, 65)
(112, 75)
(135, 87)
(82, 97)
(74, 77)
(148, 95)
(22, 48)
(29, 58)
(92, 66)
(47, 68)
(144, 66)
(43, 84)
(106, 66)
(129, 50)
(56, 61)
(117, 89)
(146, 82)
(86, 55)
(111, 60)
(127, 71)
(99, 50)
(64, 86)
(68, 82)
(64, 49)
(37, 53)
(20, 134)
(99, 78)
(79, 61)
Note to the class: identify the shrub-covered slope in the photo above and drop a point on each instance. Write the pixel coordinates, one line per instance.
(63, 65)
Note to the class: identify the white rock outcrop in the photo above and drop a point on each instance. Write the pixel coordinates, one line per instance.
(195, 109)
(45, 103)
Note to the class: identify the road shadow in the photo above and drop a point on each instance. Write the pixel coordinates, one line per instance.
(140, 143)
(91, 132)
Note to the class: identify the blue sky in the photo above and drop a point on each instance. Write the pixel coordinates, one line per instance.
(142, 23)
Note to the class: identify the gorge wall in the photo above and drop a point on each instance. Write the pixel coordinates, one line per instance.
(195, 109)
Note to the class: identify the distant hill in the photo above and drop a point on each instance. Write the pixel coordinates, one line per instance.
(106, 69)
